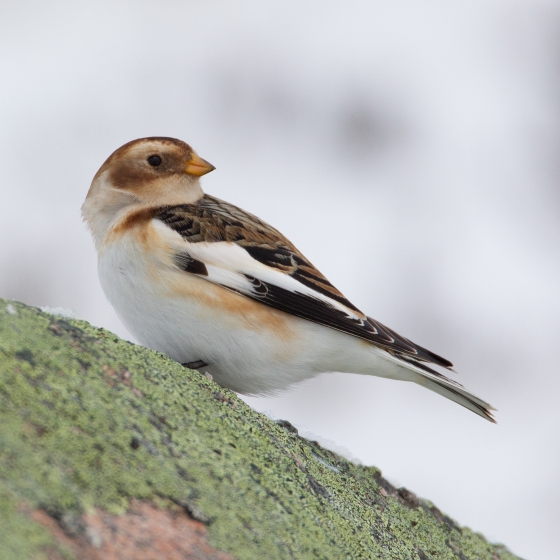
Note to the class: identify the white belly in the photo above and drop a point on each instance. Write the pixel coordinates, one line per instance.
(248, 346)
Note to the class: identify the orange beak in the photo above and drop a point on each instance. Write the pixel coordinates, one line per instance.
(198, 166)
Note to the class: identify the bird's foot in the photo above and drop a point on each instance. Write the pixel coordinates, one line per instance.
(195, 365)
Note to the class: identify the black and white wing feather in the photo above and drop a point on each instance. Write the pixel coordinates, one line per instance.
(258, 261)
(240, 252)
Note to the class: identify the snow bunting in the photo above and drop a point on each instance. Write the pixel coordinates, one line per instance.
(214, 287)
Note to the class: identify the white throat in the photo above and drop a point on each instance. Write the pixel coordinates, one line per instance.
(106, 206)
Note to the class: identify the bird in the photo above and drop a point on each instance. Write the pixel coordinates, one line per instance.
(217, 289)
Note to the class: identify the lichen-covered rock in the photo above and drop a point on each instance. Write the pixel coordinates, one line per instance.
(109, 450)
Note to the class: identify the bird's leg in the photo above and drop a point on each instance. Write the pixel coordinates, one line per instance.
(195, 365)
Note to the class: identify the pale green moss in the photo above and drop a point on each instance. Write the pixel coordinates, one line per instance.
(88, 420)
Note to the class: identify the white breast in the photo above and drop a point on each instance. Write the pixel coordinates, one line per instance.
(250, 347)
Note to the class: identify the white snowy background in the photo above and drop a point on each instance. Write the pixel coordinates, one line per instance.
(409, 149)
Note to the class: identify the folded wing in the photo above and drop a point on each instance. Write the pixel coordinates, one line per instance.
(238, 251)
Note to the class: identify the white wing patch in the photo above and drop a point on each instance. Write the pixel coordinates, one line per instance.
(228, 265)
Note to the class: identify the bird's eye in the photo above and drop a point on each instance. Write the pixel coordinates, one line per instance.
(154, 161)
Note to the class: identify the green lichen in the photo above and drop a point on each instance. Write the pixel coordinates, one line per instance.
(88, 420)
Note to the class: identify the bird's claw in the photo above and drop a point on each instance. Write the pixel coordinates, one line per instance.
(195, 365)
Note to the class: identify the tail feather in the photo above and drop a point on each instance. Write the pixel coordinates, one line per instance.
(458, 394)
(437, 382)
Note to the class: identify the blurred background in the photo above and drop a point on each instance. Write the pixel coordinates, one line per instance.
(410, 150)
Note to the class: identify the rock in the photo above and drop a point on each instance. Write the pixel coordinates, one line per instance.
(112, 451)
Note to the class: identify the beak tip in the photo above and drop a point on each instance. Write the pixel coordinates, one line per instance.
(197, 166)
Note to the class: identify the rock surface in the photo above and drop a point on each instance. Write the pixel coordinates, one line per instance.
(112, 451)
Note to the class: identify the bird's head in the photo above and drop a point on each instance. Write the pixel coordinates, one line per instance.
(155, 171)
